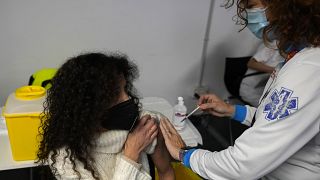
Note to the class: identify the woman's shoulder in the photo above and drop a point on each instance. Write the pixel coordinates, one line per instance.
(154, 114)
(60, 160)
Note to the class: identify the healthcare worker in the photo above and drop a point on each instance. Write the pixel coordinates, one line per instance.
(283, 141)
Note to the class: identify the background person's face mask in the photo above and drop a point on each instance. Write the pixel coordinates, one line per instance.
(122, 116)
(257, 21)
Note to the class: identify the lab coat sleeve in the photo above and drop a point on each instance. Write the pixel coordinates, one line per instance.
(270, 142)
(249, 115)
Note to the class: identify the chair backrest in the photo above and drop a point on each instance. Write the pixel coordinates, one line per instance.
(235, 69)
(42, 77)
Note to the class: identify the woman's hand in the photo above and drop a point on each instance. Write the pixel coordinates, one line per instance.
(172, 139)
(145, 132)
(162, 160)
(215, 106)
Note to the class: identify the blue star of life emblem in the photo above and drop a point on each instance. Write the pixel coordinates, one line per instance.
(281, 105)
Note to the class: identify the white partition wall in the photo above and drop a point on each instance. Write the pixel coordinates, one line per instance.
(164, 38)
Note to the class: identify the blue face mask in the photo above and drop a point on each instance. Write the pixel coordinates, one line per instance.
(257, 21)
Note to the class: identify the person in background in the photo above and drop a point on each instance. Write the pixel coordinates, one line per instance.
(94, 127)
(264, 60)
(283, 141)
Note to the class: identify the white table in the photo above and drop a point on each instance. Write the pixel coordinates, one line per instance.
(189, 134)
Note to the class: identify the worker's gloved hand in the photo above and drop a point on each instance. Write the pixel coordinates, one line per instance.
(214, 105)
(172, 138)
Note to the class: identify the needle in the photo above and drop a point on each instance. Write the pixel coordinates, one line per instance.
(190, 113)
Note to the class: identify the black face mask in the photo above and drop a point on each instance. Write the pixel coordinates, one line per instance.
(122, 116)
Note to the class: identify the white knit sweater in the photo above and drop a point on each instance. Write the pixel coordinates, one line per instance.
(110, 163)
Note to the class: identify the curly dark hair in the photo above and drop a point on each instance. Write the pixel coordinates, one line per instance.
(293, 22)
(82, 90)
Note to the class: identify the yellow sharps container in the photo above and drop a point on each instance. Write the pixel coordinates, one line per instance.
(22, 114)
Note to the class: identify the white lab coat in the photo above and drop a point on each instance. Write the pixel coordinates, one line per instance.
(284, 142)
